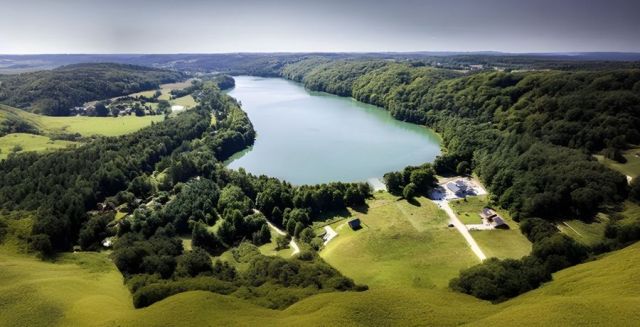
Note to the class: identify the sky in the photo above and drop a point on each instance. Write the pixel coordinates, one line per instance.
(201, 26)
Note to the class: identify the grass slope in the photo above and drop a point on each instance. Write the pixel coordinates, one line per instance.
(85, 289)
(401, 245)
(86, 126)
(29, 142)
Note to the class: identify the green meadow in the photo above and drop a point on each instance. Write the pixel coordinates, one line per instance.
(499, 243)
(85, 289)
(401, 245)
(21, 142)
(85, 126)
(165, 89)
(47, 125)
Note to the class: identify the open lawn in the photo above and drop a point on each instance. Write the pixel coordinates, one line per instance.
(400, 245)
(29, 142)
(86, 126)
(585, 233)
(186, 101)
(270, 248)
(630, 168)
(494, 243)
(106, 126)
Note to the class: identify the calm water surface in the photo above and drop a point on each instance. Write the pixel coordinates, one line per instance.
(310, 137)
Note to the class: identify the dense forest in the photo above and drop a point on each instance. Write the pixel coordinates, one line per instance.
(55, 92)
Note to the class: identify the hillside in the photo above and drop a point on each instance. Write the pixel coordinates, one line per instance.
(54, 92)
(603, 292)
(22, 131)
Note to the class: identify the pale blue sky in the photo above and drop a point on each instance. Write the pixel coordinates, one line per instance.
(199, 26)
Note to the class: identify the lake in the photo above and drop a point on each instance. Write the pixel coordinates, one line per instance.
(309, 137)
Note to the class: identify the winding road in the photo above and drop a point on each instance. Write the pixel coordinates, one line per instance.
(292, 244)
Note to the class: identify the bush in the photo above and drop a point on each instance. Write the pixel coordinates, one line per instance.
(194, 263)
(535, 229)
(41, 244)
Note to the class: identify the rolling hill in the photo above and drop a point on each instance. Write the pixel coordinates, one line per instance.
(85, 288)
(54, 92)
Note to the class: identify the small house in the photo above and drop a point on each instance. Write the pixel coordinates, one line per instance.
(499, 223)
(355, 224)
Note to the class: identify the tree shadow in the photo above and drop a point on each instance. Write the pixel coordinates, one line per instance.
(414, 202)
(344, 213)
(363, 209)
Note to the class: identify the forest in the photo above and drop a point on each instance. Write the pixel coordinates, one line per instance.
(55, 92)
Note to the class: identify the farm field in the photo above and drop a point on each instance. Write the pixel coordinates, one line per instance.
(29, 142)
(401, 245)
(498, 243)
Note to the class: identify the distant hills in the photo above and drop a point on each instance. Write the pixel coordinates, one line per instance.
(54, 92)
(11, 64)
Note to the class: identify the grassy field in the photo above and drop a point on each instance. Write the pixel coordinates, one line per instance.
(630, 168)
(400, 245)
(494, 243)
(270, 248)
(84, 289)
(165, 90)
(106, 126)
(585, 233)
(29, 142)
(186, 101)
(86, 126)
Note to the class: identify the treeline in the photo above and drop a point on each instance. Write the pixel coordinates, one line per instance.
(524, 134)
(411, 181)
(272, 282)
(55, 92)
(499, 280)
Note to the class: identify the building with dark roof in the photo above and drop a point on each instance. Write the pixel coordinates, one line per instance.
(355, 224)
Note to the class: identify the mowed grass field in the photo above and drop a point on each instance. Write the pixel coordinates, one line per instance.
(497, 243)
(401, 245)
(29, 142)
(629, 168)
